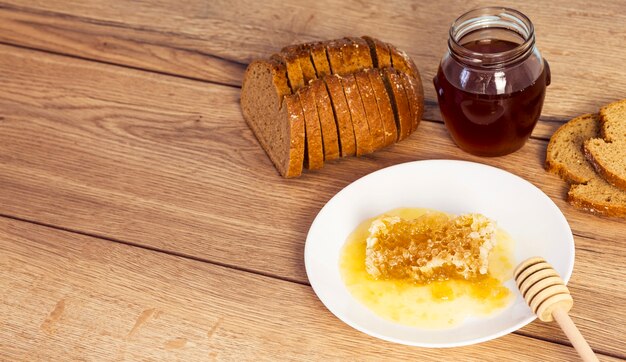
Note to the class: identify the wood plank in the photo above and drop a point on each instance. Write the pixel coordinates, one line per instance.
(74, 297)
(199, 36)
(169, 164)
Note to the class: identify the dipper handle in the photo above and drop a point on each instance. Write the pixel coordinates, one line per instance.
(548, 297)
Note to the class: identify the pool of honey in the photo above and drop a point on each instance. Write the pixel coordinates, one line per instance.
(436, 305)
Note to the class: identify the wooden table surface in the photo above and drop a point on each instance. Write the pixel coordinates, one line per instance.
(141, 220)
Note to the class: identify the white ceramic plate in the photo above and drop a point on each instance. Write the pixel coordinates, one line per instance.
(534, 222)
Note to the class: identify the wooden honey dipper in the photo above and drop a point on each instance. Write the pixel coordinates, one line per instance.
(548, 297)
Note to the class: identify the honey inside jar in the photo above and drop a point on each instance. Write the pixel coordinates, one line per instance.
(492, 82)
(442, 300)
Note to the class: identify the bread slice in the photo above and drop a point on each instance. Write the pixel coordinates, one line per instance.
(330, 138)
(565, 158)
(347, 142)
(599, 197)
(401, 61)
(334, 50)
(356, 55)
(379, 52)
(294, 72)
(415, 96)
(608, 154)
(374, 121)
(399, 102)
(384, 106)
(362, 136)
(613, 121)
(314, 155)
(274, 116)
(320, 59)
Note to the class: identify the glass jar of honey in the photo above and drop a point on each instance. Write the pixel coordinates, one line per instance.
(492, 81)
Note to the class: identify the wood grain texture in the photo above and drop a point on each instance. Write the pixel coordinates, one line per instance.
(169, 163)
(200, 38)
(72, 297)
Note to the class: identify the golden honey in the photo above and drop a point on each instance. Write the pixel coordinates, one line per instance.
(439, 302)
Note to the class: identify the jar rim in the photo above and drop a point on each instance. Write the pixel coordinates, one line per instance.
(491, 17)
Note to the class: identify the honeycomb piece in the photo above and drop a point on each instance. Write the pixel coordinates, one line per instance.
(432, 247)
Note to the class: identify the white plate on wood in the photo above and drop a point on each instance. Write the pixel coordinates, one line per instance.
(534, 222)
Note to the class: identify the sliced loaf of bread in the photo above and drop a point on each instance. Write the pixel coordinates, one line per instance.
(338, 98)
(274, 115)
(608, 154)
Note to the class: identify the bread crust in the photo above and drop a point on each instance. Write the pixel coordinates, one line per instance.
(330, 138)
(396, 90)
(345, 129)
(362, 136)
(603, 169)
(595, 207)
(384, 106)
(296, 136)
(314, 157)
(375, 122)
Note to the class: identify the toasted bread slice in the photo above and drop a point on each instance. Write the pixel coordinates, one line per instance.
(402, 62)
(274, 116)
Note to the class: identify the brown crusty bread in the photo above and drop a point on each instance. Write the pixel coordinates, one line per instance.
(314, 155)
(384, 106)
(274, 116)
(599, 197)
(294, 72)
(379, 52)
(415, 95)
(320, 59)
(399, 102)
(565, 158)
(356, 55)
(608, 154)
(402, 62)
(362, 136)
(334, 50)
(375, 123)
(347, 142)
(350, 106)
(330, 138)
